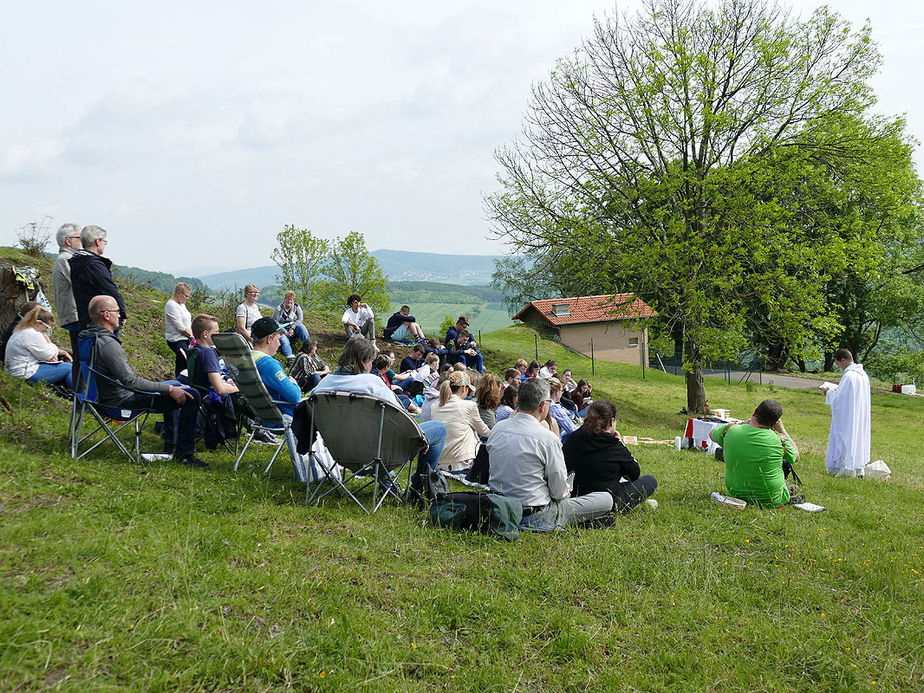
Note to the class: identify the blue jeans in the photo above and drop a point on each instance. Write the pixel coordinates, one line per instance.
(53, 373)
(285, 346)
(476, 361)
(436, 436)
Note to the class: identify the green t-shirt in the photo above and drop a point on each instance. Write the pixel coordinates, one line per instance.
(754, 463)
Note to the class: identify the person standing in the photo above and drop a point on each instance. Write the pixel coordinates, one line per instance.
(178, 325)
(68, 238)
(849, 440)
(91, 275)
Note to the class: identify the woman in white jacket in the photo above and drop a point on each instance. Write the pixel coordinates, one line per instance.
(32, 356)
(462, 421)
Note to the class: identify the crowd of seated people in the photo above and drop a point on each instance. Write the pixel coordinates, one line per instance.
(531, 419)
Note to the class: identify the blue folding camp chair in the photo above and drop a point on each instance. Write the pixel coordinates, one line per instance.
(110, 421)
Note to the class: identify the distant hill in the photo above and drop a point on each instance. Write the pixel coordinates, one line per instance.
(397, 265)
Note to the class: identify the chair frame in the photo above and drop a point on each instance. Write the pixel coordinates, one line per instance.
(232, 346)
(82, 403)
(377, 468)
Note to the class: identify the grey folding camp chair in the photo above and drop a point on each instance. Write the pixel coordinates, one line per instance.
(369, 436)
(238, 357)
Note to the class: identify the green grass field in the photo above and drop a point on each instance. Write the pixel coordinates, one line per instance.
(115, 576)
(483, 316)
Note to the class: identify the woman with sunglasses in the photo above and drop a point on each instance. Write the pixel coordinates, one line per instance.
(32, 356)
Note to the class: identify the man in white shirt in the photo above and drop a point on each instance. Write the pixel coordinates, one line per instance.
(178, 325)
(358, 318)
(849, 440)
(527, 465)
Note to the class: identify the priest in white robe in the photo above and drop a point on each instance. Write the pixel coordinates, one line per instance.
(848, 443)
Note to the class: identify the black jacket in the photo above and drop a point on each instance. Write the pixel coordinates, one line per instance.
(91, 276)
(598, 461)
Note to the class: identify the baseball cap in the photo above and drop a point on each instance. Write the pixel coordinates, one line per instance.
(264, 327)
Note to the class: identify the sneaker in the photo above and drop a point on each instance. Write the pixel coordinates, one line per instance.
(264, 437)
(193, 461)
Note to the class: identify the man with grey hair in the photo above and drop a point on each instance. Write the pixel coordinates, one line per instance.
(91, 274)
(68, 238)
(527, 465)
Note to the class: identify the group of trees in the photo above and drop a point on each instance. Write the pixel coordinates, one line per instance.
(723, 165)
(324, 272)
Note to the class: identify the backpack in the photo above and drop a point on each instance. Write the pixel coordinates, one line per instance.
(426, 486)
(488, 513)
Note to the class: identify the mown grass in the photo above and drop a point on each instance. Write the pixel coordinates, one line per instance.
(115, 576)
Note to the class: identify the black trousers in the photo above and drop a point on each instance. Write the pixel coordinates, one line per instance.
(180, 361)
(630, 494)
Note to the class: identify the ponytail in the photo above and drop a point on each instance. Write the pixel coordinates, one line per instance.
(445, 392)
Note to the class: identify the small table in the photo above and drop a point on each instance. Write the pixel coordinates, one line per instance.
(697, 433)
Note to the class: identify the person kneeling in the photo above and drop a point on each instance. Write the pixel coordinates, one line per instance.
(755, 452)
(599, 460)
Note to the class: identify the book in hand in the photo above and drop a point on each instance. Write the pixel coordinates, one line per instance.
(827, 386)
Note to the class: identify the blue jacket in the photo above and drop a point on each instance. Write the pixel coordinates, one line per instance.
(395, 321)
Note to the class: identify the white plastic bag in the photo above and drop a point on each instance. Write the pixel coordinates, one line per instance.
(877, 470)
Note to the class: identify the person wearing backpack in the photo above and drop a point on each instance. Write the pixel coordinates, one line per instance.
(527, 465)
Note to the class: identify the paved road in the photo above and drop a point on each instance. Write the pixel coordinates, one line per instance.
(773, 379)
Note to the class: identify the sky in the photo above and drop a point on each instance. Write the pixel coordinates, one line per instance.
(193, 132)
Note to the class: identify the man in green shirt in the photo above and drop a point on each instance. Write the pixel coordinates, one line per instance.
(754, 454)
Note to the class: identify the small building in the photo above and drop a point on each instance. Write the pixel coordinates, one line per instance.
(611, 321)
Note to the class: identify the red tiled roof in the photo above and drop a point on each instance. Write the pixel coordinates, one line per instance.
(591, 309)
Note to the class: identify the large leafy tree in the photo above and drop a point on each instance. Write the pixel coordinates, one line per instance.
(300, 257)
(350, 268)
(638, 156)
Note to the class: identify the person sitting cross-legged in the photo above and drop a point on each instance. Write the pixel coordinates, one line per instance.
(600, 461)
(527, 465)
(353, 375)
(755, 452)
(358, 318)
(178, 404)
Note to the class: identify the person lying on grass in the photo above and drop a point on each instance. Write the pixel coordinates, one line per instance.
(599, 460)
(755, 451)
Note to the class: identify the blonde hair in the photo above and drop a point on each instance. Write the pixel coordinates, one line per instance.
(489, 392)
(201, 323)
(289, 294)
(447, 391)
(521, 362)
(460, 366)
(431, 359)
(555, 386)
(34, 317)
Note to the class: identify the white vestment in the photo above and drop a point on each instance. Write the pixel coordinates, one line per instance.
(848, 443)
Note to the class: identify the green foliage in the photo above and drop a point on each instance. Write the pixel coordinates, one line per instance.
(161, 281)
(448, 321)
(350, 268)
(636, 170)
(300, 257)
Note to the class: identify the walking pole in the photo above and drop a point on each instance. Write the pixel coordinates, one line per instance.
(479, 336)
(537, 347)
(592, 369)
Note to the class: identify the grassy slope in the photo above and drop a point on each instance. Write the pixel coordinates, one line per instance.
(114, 576)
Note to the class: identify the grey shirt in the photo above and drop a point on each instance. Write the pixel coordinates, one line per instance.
(112, 361)
(61, 280)
(527, 463)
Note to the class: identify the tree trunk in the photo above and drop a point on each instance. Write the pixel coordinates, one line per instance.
(829, 362)
(696, 389)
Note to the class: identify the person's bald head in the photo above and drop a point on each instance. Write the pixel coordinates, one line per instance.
(104, 310)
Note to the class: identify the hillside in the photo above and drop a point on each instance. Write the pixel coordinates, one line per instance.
(161, 577)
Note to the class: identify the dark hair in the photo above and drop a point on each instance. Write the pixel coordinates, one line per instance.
(488, 393)
(581, 385)
(550, 363)
(308, 345)
(418, 348)
(381, 361)
(202, 322)
(512, 373)
(534, 366)
(599, 417)
(353, 297)
(843, 355)
(768, 412)
(509, 397)
(355, 355)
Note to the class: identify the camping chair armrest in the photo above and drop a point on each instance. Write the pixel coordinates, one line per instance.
(120, 385)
